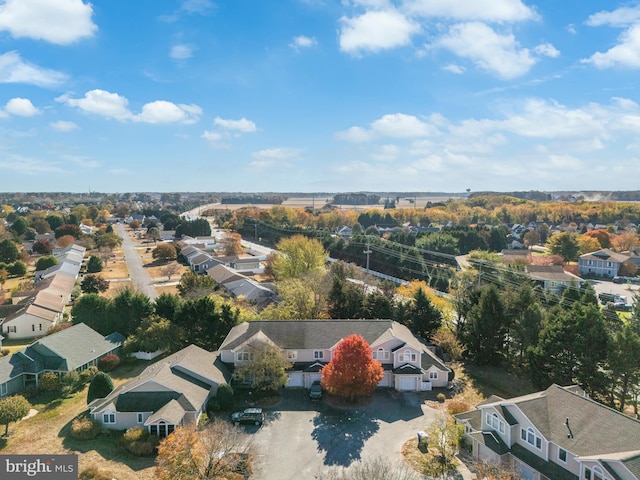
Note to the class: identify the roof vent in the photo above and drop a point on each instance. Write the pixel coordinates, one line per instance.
(570, 433)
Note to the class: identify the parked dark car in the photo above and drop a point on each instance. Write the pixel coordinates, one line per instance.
(315, 392)
(253, 416)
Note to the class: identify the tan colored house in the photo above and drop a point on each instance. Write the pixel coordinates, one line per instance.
(552, 277)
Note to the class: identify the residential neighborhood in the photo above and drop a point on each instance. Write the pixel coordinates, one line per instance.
(240, 322)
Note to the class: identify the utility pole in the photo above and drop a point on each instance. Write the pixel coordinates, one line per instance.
(367, 252)
(255, 230)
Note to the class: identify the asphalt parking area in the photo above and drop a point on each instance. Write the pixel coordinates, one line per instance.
(302, 438)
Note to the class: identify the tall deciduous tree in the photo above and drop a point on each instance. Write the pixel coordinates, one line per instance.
(193, 285)
(352, 372)
(94, 284)
(266, 368)
(8, 251)
(45, 262)
(164, 252)
(12, 409)
(218, 451)
(297, 256)
(93, 310)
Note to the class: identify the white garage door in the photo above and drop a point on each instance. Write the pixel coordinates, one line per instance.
(386, 380)
(407, 383)
(295, 379)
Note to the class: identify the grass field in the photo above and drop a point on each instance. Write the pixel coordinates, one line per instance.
(173, 289)
(15, 345)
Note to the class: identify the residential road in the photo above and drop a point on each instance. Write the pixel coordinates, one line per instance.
(139, 275)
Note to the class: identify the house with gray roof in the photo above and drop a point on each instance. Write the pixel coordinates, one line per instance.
(552, 277)
(556, 434)
(75, 348)
(603, 263)
(409, 363)
(171, 392)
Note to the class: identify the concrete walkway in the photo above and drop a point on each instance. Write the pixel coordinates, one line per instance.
(139, 275)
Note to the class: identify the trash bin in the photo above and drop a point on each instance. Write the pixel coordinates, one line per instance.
(422, 439)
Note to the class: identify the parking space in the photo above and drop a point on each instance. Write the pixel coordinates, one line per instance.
(302, 438)
(607, 286)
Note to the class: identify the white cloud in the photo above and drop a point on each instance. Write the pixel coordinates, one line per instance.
(354, 135)
(490, 51)
(162, 111)
(571, 28)
(21, 107)
(625, 54)
(213, 137)
(274, 158)
(400, 125)
(374, 31)
(243, 125)
(386, 153)
(276, 154)
(28, 166)
(201, 7)
(63, 126)
(14, 70)
(101, 102)
(302, 41)
(61, 21)
(547, 50)
(457, 69)
(621, 17)
(181, 52)
(485, 10)
(112, 105)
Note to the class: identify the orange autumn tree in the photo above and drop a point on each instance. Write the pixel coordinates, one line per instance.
(352, 372)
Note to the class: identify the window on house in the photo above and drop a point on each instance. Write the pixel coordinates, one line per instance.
(3, 389)
(245, 356)
(562, 455)
(109, 418)
(33, 327)
(40, 327)
(401, 357)
(597, 474)
(495, 422)
(292, 355)
(433, 375)
(318, 354)
(140, 418)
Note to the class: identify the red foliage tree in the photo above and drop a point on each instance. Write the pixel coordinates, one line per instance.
(602, 236)
(352, 372)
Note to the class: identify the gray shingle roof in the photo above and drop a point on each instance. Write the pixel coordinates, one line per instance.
(597, 429)
(189, 375)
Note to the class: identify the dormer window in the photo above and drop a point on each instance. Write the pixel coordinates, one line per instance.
(493, 421)
(292, 355)
(380, 354)
(245, 356)
(318, 354)
(407, 356)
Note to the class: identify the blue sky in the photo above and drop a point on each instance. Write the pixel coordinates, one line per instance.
(319, 95)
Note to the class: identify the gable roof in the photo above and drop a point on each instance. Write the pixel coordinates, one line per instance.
(222, 274)
(551, 273)
(595, 429)
(325, 334)
(605, 254)
(187, 376)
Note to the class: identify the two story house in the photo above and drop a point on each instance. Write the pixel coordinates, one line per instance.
(603, 263)
(409, 363)
(556, 434)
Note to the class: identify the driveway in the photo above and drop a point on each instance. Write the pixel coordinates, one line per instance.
(607, 286)
(301, 438)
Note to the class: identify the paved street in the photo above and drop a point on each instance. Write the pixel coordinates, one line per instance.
(139, 275)
(301, 438)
